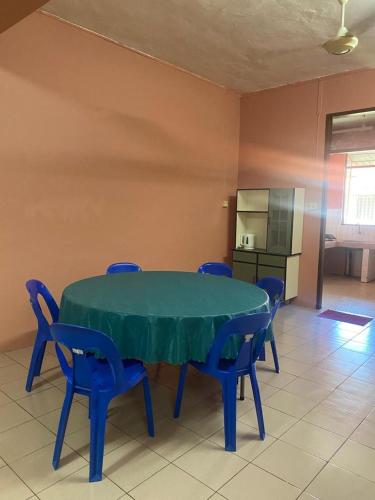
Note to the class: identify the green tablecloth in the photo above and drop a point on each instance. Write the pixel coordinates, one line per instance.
(161, 316)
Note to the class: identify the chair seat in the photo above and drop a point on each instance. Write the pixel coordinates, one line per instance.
(225, 366)
(133, 373)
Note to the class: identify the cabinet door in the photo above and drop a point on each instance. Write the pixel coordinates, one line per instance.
(245, 272)
(280, 220)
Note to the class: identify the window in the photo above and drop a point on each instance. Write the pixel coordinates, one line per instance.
(359, 205)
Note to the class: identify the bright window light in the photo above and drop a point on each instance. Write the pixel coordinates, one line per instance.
(360, 192)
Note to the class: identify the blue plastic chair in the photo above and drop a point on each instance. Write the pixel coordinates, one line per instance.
(252, 328)
(123, 267)
(101, 377)
(216, 268)
(275, 289)
(36, 288)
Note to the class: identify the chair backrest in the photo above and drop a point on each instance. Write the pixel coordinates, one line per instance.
(36, 288)
(253, 327)
(88, 348)
(275, 289)
(123, 267)
(216, 268)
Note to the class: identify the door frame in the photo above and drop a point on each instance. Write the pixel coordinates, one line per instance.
(323, 210)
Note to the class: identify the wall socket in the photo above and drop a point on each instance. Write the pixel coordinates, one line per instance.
(311, 206)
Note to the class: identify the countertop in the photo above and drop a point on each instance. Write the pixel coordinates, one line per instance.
(350, 244)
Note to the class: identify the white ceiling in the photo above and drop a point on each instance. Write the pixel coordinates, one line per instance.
(244, 45)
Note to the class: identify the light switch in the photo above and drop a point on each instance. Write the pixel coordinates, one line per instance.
(225, 204)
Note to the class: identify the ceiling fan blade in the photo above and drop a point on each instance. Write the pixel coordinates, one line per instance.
(365, 25)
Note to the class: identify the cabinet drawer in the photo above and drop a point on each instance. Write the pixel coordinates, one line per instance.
(245, 256)
(272, 260)
(245, 272)
(275, 272)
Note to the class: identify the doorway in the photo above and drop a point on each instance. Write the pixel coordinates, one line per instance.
(346, 278)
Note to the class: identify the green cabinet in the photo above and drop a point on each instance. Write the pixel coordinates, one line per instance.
(251, 266)
(275, 272)
(275, 217)
(280, 221)
(245, 272)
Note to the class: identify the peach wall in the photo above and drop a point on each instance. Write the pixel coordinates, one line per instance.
(12, 11)
(105, 155)
(282, 144)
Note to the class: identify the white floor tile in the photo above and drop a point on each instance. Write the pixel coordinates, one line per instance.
(12, 488)
(78, 486)
(4, 399)
(24, 439)
(42, 402)
(275, 421)
(278, 380)
(356, 458)
(80, 440)
(12, 415)
(334, 419)
(289, 403)
(36, 468)
(131, 464)
(12, 372)
(290, 464)
(365, 433)
(307, 389)
(313, 440)
(210, 464)
(169, 484)
(249, 445)
(260, 484)
(5, 360)
(334, 483)
(78, 418)
(171, 440)
(16, 389)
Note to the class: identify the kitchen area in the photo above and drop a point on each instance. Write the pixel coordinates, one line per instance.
(349, 257)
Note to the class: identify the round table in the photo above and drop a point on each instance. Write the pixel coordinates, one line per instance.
(159, 316)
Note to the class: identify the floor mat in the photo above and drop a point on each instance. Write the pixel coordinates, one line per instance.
(354, 319)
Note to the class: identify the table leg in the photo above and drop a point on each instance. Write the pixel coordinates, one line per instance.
(242, 388)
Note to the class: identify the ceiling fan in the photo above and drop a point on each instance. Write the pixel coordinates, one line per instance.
(345, 41)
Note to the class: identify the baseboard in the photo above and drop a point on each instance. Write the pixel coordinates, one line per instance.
(25, 339)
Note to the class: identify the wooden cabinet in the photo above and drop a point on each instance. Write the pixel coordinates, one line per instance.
(245, 272)
(285, 219)
(280, 220)
(288, 269)
(275, 217)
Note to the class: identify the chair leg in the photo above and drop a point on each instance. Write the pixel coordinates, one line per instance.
(180, 390)
(258, 402)
(275, 357)
(62, 426)
(93, 412)
(35, 363)
(40, 358)
(148, 406)
(262, 355)
(98, 422)
(242, 387)
(230, 408)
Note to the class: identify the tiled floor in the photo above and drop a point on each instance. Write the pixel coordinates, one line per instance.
(349, 294)
(319, 414)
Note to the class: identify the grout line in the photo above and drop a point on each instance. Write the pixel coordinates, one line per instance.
(19, 477)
